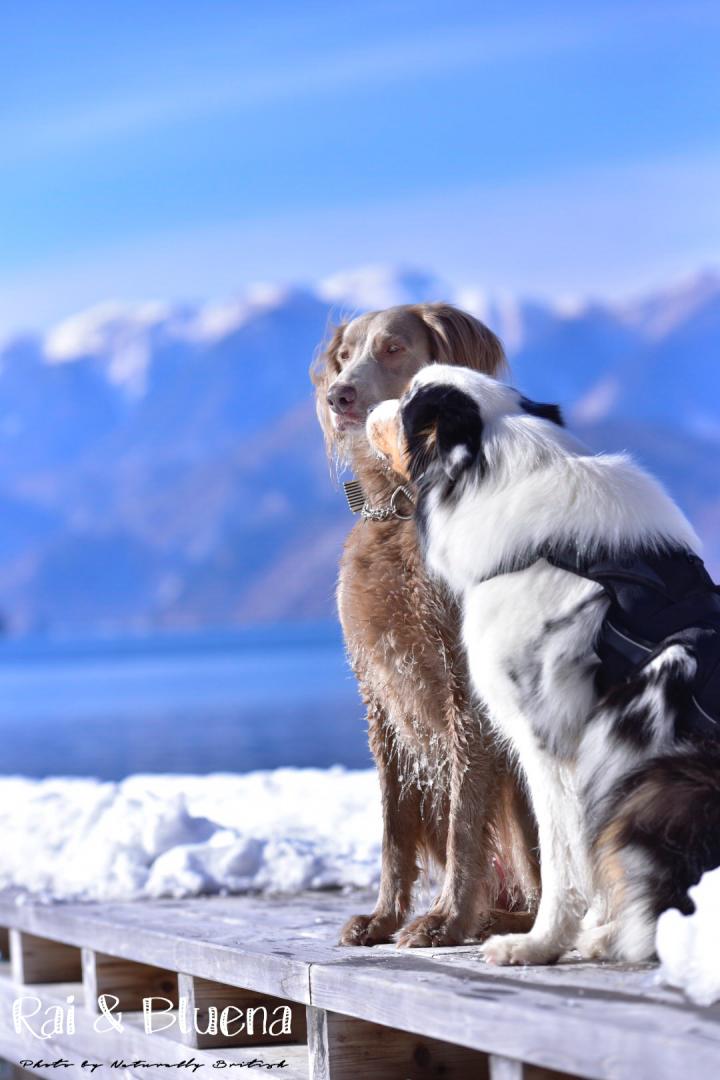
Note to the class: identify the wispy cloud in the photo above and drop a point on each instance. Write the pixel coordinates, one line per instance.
(386, 63)
(604, 232)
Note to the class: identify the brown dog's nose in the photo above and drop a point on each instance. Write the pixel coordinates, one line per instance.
(341, 397)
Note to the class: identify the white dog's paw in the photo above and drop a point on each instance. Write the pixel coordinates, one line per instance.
(594, 943)
(504, 949)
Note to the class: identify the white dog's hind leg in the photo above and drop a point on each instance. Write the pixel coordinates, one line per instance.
(595, 942)
(597, 929)
(564, 868)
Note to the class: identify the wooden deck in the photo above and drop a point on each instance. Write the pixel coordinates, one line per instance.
(357, 1013)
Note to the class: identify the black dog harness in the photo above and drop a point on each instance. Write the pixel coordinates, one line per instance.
(656, 598)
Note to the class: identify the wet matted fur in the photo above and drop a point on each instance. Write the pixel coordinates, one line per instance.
(625, 786)
(448, 793)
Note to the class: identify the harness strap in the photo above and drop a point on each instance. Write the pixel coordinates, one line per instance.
(654, 596)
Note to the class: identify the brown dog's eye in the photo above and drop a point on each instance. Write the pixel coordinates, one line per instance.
(394, 348)
(344, 354)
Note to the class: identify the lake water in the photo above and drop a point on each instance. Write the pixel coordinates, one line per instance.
(198, 703)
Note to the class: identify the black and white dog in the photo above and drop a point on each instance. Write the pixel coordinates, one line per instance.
(593, 635)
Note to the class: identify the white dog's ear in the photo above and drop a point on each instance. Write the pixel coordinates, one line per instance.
(442, 425)
(459, 437)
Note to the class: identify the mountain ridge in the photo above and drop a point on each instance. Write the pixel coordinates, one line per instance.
(161, 464)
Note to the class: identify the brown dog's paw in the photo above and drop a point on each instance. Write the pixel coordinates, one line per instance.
(504, 922)
(367, 930)
(430, 931)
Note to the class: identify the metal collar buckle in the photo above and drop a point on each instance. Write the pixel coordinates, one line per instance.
(359, 505)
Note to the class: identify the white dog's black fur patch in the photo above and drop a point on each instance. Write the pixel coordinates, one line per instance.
(625, 784)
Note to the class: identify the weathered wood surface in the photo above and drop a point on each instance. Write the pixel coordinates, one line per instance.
(506, 1069)
(130, 1045)
(201, 994)
(8, 1071)
(127, 980)
(619, 1034)
(501, 1068)
(343, 1048)
(271, 941)
(37, 960)
(603, 1022)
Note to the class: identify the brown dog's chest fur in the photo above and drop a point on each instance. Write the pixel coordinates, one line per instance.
(402, 635)
(401, 632)
(448, 794)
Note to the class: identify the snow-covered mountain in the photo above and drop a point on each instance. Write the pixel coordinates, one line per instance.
(161, 465)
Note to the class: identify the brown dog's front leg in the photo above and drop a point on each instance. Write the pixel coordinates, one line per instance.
(401, 817)
(470, 881)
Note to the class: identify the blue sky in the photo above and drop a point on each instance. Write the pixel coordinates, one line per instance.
(181, 149)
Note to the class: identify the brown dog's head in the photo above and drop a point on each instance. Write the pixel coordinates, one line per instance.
(374, 357)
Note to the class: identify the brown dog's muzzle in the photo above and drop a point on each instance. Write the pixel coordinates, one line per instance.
(386, 436)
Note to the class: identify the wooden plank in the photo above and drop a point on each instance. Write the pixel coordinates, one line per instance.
(130, 1045)
(127, 980)
(225, 938)
(572, 973)
(9, 1071)
(503, 1068)
(40, 960)
(4, 945)
(533, 1072)
(341, 1048)
(268, 946)
(259, 1028)
(598, 1035)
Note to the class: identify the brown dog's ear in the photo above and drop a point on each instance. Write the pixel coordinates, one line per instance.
(459, 338)
(323, 370)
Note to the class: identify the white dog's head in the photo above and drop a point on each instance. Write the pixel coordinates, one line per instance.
(437, 429)
(448, 414)
(499, 476)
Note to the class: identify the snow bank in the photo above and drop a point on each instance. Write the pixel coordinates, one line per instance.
(280, 831)
(689, 945)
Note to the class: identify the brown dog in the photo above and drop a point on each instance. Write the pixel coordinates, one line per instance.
(449, 795)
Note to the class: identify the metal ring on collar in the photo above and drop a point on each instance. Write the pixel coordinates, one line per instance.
(404, 491)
